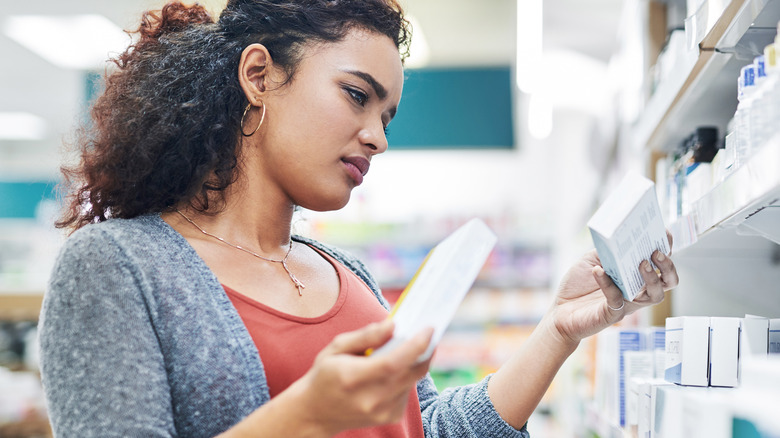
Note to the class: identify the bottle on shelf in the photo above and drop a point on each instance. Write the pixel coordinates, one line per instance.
(746, 87)
(758, 111)
(767, 98)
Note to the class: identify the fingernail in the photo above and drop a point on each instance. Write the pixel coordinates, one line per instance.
(648, 266)
(661, 256)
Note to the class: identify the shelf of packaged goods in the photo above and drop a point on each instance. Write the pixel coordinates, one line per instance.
(701, 90)
(20, 305)
(748, 200)
(597, 423)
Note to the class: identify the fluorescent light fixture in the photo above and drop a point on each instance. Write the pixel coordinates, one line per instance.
(529, 44)
(68, 41)
(419, 51)
(21, 126)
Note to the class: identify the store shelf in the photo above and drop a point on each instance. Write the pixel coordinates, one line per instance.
(748, 199)
(701, 90)
(20, 305)
(600, 426)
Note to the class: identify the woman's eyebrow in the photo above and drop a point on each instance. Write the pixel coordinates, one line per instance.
(378, 88)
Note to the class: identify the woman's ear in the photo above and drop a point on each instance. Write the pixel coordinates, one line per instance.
(254, 71)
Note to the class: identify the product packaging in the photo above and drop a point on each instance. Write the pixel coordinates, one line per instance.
(774, 336)
(754, 339)
(724, 351)
(433, 295)
(687, 349)
(626, 229)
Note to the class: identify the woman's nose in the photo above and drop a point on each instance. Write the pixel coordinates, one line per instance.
(375, 138)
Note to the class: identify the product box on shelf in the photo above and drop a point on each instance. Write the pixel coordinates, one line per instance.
(638, 366)
(616, 365)
(755, 403)
(724, 351)
(648, 390)
(657, 340)
(774, 336)
(707, 413)
(754, 338)
(687, 350)
(666, 418)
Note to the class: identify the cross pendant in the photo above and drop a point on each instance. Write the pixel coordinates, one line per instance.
(294, 279)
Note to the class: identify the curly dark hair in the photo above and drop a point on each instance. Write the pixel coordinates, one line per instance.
(166, 129)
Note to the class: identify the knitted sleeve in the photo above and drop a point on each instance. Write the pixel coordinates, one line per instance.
(101, 364)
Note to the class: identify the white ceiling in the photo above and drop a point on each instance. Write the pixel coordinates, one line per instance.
(458, 32)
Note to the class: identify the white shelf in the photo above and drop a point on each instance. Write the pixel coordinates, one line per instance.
(701, 90)
(739, 200)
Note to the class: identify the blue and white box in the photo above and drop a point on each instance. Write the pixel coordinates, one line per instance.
(774, 336)
(628, 341)
(657, 340)
(687, 350)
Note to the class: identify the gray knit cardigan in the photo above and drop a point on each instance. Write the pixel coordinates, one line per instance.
(138, 339)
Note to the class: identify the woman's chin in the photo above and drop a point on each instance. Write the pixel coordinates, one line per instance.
(326, 204)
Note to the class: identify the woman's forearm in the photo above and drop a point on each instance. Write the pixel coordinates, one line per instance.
(519, 385)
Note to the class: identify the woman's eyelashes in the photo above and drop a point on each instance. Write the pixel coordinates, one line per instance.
(358, 96)
(361, 99)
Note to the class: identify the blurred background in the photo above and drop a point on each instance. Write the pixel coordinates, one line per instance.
(519, 112)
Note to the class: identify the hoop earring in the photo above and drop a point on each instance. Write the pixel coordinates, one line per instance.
(262, 118)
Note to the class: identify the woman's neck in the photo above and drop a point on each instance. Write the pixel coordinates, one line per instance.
(251, 219)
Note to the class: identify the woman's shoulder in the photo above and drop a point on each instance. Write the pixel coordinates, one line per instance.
(143, 238)
(347, 259)
(137, 231)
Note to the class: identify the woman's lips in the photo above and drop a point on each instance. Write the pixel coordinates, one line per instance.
(357, 167)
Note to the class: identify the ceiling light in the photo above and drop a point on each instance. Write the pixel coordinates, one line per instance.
(419, 51)
(75, 41)
(529, 44)
(21, 126)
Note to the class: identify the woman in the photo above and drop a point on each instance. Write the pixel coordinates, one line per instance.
(182, 305)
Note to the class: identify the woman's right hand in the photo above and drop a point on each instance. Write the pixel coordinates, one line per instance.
(345, 389)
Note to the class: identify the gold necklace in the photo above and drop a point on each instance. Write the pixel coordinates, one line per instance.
(283, 261)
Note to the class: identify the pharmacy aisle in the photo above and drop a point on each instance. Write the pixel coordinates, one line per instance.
(525, 114)
(708, 364)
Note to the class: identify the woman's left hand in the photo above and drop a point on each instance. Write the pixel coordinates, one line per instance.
(588, 301)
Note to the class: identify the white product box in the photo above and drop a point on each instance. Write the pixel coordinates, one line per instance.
(774, 336)
(632, 362)
(761, 374)
(646, 405)
(626, 229)
(632, 400)
(755, 413)
(754, 340)
(724, 351)
(687, 349)
(614, 366)
(667, 411)
(755, 402)
(638, 366)
(440, 284)
(707, 413)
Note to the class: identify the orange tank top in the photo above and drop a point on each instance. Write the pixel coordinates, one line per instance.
(288, 344)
